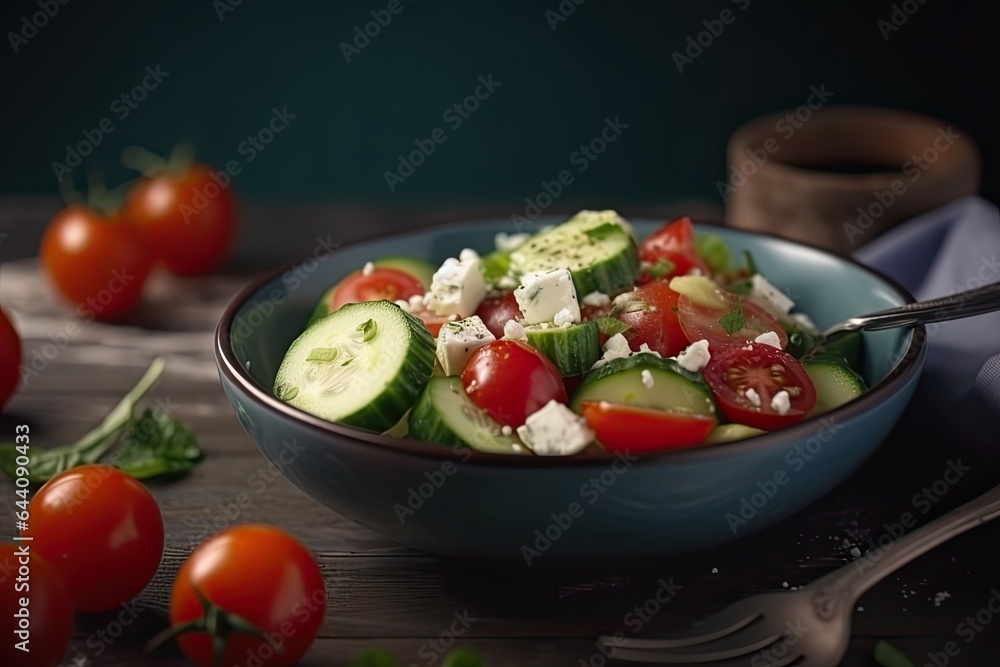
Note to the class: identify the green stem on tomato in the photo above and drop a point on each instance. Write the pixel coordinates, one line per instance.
(144, 161)
(181, 158)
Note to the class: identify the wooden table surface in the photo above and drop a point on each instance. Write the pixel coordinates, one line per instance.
(383, 594)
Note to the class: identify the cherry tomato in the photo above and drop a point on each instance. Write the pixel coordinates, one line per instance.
(380, 283)
(624, 428)
(433, 322)
(261, 574)
(187, 217)
(10, 359)
(654, 319)
(510, 380)
(673, 242)
(98, 263)
(496, 312)
(101, 530)
(735, 369)
(594, 313)
(702, 322)
(50, 614)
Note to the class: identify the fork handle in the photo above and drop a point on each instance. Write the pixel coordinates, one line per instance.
(852, 580)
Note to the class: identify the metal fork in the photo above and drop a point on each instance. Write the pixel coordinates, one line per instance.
(810, 627)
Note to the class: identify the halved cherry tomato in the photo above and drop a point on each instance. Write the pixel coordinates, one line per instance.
(654, 319)
(433, 322)
(50, 619)
(496, 312)
(101, 531)
(673, 242)
(380, 283)
(10, 359)
(702, 322)
(623, 428)
(510, 380)
(735, 369)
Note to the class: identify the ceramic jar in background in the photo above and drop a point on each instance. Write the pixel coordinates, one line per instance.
(839, 176)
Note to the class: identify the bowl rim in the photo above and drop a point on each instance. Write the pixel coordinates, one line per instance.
(909, 365)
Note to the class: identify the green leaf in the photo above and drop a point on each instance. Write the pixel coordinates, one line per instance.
(324, 354)
(157, 444)
(888, 655)
(462, 657)
(369, 328)
(603, 231)
(494, 266)
(751, 265)
(659, 268)
(47, 463)
(373, 657)
(609, 326)
(741, 287)
(733, 321)
(713, 251)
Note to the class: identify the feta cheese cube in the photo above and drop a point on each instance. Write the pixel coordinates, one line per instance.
(541, 295)
(769, 296)
(597, 300)
(647, 379)
(781, 402)
(555, 430)
(458, 340)
(616, 347)
(514, 331)
(467, 255)
(506, 242)
(695, 356)
(753, 397)
(457, 288)
(769, 338)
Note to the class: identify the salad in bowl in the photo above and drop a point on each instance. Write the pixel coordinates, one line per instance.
(578, 336)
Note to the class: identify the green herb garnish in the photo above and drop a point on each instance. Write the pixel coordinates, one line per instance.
(713, 251)
(733, 321)
(751, 265)
(609, 326)
(888, 655)
(659, 268)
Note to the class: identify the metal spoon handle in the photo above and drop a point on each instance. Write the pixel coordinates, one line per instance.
(977, 301)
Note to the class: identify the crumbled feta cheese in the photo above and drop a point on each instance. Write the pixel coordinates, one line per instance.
(769, 296)
(543, 294)
(467, 255)
(753, 397)
(597, 300)
(458, 340)
(506, 282)
(628, 302)
(514, 331)
(506, 242)
(405, 305)
(695, 356)
(416, 302)
(647, 379)
(457, 287)
(695, 271)
(555, 430)
(368, 269)
(645, 349)
(506, 429)
(780, 402)
(616, 347)
(769, 338)
(564, 318)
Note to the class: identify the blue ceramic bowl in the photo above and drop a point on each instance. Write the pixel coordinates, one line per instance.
(535, 509)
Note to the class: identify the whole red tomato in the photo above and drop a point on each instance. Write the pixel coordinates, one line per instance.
(10, 359)
(260, 580)
(101, 530)
(187, 216)
(97, 262)
(46, 621)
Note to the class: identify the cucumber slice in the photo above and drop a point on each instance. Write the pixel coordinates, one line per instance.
(572, 349)
(623, 381)
(850, 346)
(446, 415)
(836, 383)
(595, 246)
(731, 432)
(418, 268)
(363, 365)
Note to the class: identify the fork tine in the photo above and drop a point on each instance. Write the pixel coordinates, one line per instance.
(739, 661)
(741, 643)
(722, 624)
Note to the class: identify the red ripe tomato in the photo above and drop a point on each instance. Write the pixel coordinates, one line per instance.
(10, 359)
(673, 242)
(433, 322)
(496, 312)
(98, 263)
(187, 217)
(735, 369)
(510, 380)
(51, 616)
(702, 322)
(262, 575)
(654, 319)
(101, 531)
(380, 283)
(623, 428)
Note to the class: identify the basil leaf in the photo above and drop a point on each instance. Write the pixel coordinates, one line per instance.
(713, 251)
(888, 655)
(157, 444)
(733, 321)
(609, 326)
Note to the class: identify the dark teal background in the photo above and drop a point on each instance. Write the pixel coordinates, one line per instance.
(352, 120)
